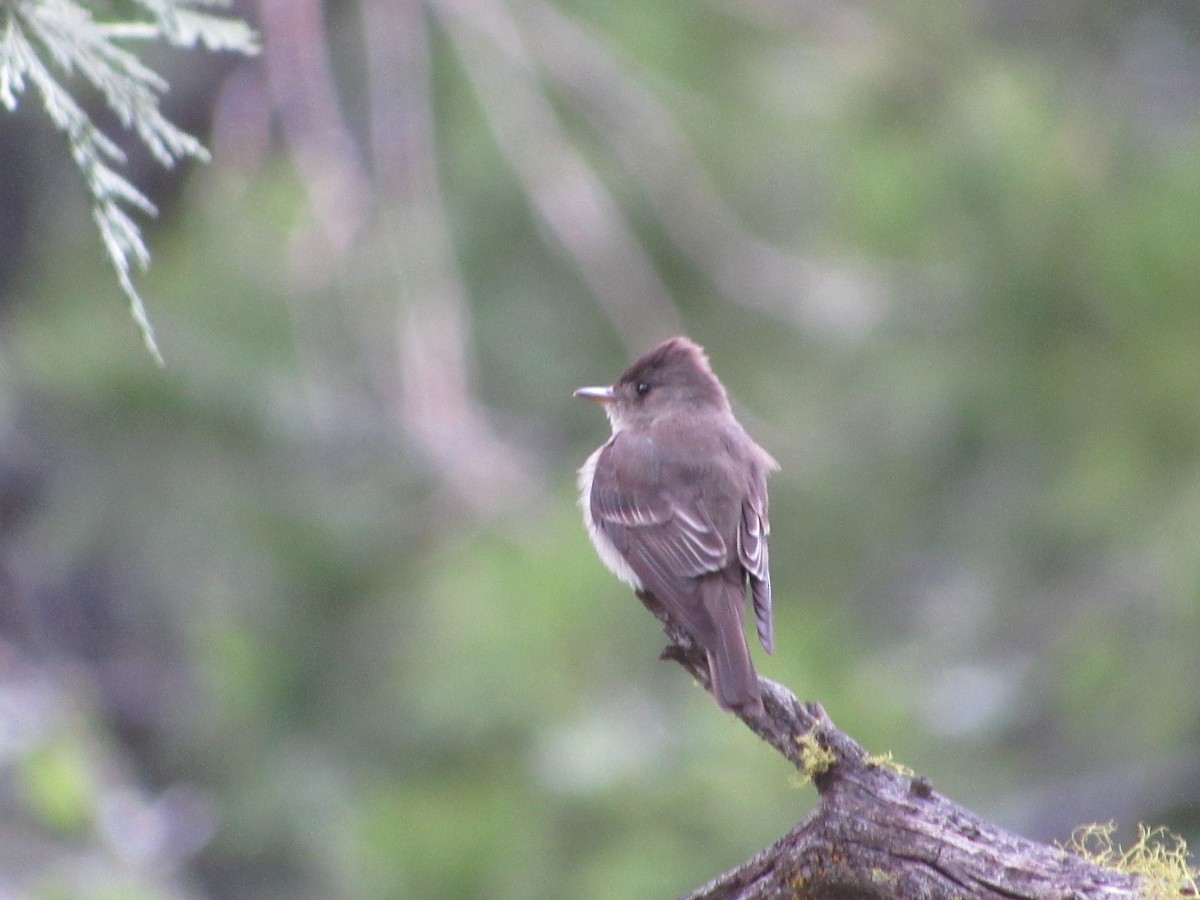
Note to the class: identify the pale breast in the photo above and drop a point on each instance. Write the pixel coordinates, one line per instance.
(608, 552)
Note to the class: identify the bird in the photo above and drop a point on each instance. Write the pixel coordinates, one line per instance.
(675, 504)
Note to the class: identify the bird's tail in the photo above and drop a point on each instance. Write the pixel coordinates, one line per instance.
(734, 681)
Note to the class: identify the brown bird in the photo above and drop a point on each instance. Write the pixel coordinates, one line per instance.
(675, 503)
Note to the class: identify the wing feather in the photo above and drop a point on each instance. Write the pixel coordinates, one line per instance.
(752, 553)
(673, 537)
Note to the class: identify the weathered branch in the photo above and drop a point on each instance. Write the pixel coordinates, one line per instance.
(880, 833)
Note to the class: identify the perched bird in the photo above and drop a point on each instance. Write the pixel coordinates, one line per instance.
(675, 503)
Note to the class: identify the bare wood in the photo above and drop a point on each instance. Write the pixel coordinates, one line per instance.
(880, 833)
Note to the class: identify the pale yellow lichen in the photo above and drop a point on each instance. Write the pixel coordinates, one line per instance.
(885, 761)
(815, 759)
(1158, 858)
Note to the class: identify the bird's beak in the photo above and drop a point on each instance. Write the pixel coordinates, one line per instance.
(599, 394)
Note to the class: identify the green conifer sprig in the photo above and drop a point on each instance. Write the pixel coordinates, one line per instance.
(45, 42)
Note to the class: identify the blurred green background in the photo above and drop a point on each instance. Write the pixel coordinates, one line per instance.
(311, 614)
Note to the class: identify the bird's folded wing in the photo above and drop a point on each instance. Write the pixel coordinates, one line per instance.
(752, 553)
(663, 538)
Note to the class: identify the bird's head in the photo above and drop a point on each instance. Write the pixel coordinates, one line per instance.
(673, 378)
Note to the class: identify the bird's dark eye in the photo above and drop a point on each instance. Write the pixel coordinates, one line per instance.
(642, 389)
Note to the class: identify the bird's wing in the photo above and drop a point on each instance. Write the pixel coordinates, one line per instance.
(664, 538)
(752, 553)
(670, 541)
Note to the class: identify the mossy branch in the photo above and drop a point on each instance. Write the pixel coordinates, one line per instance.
(879, 831)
